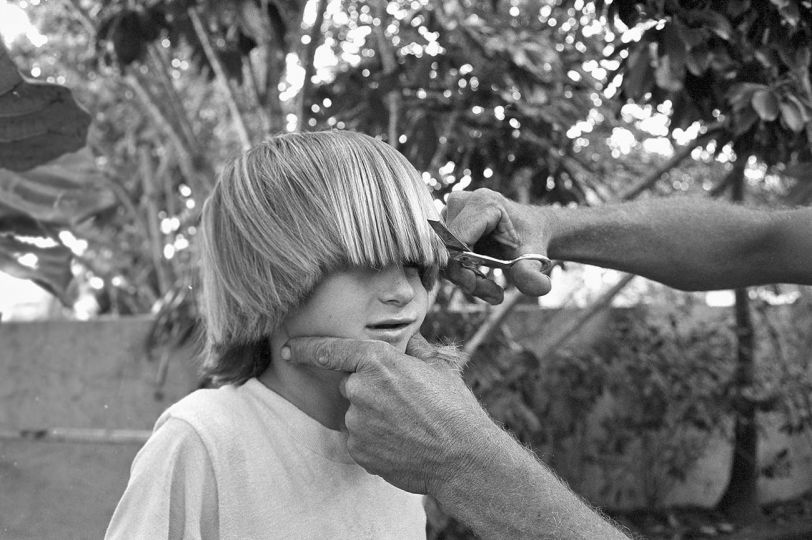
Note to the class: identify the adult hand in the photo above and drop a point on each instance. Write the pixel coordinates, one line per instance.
(501, 228)
(411, 419)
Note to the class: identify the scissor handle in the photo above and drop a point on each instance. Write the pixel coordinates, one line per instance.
(469, 258)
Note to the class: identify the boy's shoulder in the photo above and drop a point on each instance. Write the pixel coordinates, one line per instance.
(209, 409)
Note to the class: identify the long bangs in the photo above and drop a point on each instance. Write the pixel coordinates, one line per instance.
(382, 206)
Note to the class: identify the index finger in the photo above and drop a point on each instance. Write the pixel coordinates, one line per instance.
(471, 283)
(471, 216)
(337, 354)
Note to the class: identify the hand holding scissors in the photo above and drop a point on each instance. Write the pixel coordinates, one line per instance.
(462, 253)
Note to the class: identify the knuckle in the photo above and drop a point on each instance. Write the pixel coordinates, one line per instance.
(351, 388)
(485, 193)
(351, 420)
(318, 349)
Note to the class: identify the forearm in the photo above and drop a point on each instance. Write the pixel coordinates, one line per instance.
(686, 243)
(504, 492)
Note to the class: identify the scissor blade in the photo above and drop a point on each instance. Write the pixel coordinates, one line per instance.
(450, 241)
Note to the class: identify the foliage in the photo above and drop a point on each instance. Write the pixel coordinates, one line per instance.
(741, 69)
(476, 89)
(744, 65)
(41, 122)
(669, 387)
(636, 405)
(466, 91)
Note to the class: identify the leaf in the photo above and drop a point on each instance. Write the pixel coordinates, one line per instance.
(14, 222)
(742, 122)
(698, 60)
(673, 44)
(806, 114)
(670, 71)
(766, 104)
(665, 77)
(737, 7)
(9, 76)
(636, 78)
(50, 268)
(792, 116)
(740, 95)
(790, 13)
(65, 191)
(766, 56)
(627, 12)
(802, 57)
(800, 193)
(801, 171)
(718, 23)
(690, 36)
(38, 121)
(809, 135)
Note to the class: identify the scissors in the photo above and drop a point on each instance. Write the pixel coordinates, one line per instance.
(462, 253)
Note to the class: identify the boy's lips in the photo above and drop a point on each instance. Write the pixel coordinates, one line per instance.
(390, 330)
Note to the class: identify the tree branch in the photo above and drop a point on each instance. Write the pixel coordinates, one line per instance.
(307, 61)
(493, 321)
(153, 221)
(186, 162)
(585, 315)
(675, 160)
(250, 78)
(220, 76)
(390, 67)
(181, 116)
(81, 15)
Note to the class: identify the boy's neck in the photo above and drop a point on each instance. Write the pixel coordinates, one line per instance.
(313, 391)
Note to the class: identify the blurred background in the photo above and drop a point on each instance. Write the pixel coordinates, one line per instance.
(115, 117)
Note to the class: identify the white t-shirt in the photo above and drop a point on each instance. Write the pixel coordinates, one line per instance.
(244, 463)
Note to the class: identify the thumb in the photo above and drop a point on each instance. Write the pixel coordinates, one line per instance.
(447, 356)
(529, 279)
(419, 347)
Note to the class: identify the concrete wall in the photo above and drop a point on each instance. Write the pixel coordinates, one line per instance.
(95, 374)
(63, 374)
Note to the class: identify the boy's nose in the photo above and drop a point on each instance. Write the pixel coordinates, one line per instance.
(395, 287)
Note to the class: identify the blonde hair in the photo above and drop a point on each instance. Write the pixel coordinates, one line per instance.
(286, 212)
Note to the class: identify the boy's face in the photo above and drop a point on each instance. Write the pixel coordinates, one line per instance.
(386, 305)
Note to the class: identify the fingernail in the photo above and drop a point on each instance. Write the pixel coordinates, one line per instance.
(285, 353)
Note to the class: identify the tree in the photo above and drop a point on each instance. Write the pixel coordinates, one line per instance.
(42, 124)
(465, 91)
(742, 67)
